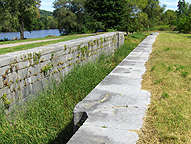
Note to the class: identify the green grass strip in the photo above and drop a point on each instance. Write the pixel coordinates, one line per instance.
(38, 44)
(49, 118)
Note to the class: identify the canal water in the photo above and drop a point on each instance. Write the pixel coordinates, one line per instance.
(32, 34)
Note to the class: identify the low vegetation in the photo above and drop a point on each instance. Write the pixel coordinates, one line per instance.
(48, 118)
(168, 78)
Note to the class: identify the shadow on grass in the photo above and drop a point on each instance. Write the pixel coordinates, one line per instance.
(172, 32)
(64, 136)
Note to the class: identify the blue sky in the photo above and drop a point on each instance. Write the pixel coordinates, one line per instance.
(47, 5)
(171, 4)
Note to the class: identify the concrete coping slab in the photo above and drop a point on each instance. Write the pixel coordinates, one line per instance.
(114, 109)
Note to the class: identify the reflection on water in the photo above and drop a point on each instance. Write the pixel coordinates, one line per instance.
(33, 34)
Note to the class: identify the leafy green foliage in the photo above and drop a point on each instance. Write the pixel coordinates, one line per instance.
(184, 14)
(20, 12)
(108, 12)
(70, 14)
(184, 24)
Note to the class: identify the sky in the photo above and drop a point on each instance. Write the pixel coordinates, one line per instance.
(171, 4)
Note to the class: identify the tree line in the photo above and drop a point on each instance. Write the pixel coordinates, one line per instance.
(19, 16)
(139, 15)
(84, 16)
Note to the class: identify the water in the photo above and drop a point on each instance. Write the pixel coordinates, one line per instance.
(33, 34)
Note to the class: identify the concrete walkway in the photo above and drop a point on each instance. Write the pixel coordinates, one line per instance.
(114, 110)
(23, 43)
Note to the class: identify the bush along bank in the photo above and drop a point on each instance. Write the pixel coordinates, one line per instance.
(48, 118)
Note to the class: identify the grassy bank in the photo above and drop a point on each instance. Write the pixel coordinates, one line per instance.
(48, 119)
(35, 39)
(168, 78)
(33, 45)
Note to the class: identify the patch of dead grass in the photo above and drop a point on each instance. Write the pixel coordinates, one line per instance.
(168, 78)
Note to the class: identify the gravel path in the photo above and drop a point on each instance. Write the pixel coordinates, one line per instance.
(23, 43)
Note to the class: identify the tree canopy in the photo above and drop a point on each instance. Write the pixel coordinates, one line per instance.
(108, 12)
(81, 16)
(20, 13)
(70, 14)
(184, 17)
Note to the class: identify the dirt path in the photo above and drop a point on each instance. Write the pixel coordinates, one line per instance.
(23, 43)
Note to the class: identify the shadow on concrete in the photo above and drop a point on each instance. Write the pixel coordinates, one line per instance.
(64, 136)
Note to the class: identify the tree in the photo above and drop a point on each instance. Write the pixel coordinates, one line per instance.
(184, 17)
(154, 11)
(181, 7)
(22, 12)
(130, 8)
(108, 12)
(70, 14)
(92, 24)
(169, 17)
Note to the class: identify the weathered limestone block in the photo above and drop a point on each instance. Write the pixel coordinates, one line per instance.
(45, 57)
(4, 90)
(4, 69)
(1, 82)
(5, 60)
(47, 50)
(23, 64)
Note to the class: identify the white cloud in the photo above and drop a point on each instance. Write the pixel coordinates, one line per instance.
(171, 4)
(47, 5)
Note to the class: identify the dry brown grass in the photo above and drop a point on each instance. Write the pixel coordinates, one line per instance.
(168, 78)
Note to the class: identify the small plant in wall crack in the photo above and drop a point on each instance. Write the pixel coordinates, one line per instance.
(104, 127)
(52, 55)
(5, 83)
(36, 57)
(4, 76)
(79, 46)
(46, 68)
(101, 40)
(65, 47)
(6, 101)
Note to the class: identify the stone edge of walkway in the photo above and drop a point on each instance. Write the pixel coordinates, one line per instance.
(114, 109)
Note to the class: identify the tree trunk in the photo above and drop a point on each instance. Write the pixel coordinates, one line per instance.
(21, 27)
(127, 27)
(127, 30)
(105, 28)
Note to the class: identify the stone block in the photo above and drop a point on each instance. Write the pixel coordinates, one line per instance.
(23, 64)
(48, 50)
(6, 59)
(1, 82)
(45, 83)
(59, 47)
(4, 69)
(12, 76)
(45, 57)
(4, 90)
(36, 87)
(21, 84)
(59, 53)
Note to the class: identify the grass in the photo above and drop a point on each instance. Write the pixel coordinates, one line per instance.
(35, 39)
(29, 46)
(49, 118)
(168, 118)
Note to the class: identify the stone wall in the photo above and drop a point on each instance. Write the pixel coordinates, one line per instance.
(27, 72)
